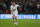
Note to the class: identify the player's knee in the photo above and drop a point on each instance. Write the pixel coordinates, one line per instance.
(16, 17)
(12, 16)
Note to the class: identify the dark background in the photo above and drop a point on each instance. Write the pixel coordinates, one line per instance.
(26, 6)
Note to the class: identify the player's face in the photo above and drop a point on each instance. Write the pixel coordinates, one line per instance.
(13, 3)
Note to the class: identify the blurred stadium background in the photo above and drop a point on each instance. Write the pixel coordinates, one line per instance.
(28, 15)
(27, 6)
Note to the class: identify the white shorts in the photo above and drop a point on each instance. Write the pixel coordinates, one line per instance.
(14, 14)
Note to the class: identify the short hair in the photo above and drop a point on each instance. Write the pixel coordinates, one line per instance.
(13, 1)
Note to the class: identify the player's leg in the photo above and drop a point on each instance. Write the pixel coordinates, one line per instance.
(16, 18)
(13, 18)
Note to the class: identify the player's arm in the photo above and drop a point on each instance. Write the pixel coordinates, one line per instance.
(11, 12)
(19, 7)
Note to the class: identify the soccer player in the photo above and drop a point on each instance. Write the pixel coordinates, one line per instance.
(14, 11)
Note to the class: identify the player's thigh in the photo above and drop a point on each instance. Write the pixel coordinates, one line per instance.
(16, 15)
(12, 16)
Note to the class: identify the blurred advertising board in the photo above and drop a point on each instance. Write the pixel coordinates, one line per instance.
(20, 16)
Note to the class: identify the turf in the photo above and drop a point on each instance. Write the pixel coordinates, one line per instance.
(21, 23)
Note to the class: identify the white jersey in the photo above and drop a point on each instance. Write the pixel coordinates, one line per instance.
(14, 9)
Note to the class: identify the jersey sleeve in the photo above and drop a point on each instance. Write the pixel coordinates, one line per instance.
(11, 8)
(17, 5)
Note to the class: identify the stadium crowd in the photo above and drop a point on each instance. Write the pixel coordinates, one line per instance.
(27, 6)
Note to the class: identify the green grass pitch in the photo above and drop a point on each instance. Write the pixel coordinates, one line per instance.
(21, 23)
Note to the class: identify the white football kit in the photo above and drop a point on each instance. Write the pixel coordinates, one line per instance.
(14, 9)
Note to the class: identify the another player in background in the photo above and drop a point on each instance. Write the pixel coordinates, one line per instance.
(14, 11)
